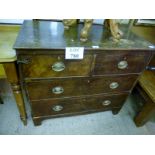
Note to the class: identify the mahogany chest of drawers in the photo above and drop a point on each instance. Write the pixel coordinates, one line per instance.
(55, 86)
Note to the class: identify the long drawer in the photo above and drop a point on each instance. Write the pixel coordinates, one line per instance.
(67, 87)
(77, 105)
(99, 63)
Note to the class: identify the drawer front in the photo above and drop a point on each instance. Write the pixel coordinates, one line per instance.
(77, 105)
(67, 87)
(46, 66)
(121, 62)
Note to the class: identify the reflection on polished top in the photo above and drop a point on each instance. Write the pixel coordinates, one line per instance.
(51, 35)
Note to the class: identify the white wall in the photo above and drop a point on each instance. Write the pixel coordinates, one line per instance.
(14, 21)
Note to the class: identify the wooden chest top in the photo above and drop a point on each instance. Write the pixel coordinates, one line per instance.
(51, 35)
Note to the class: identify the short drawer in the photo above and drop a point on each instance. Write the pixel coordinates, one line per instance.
(68, 87)
(121, 62)
(46, 66)
(77, 105)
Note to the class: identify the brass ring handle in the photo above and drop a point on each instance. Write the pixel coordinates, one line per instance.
(58, 90)
(122, 64)
(106, 102)
(57, 108)
(58, 66)
(114, 85)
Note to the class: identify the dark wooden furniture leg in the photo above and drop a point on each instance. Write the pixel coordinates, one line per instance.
(115, 111)
(36, 121)
(1, 101)
(147, 110)
(145, 114)
(13, 78)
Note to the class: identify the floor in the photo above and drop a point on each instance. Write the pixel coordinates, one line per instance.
(102, 123)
